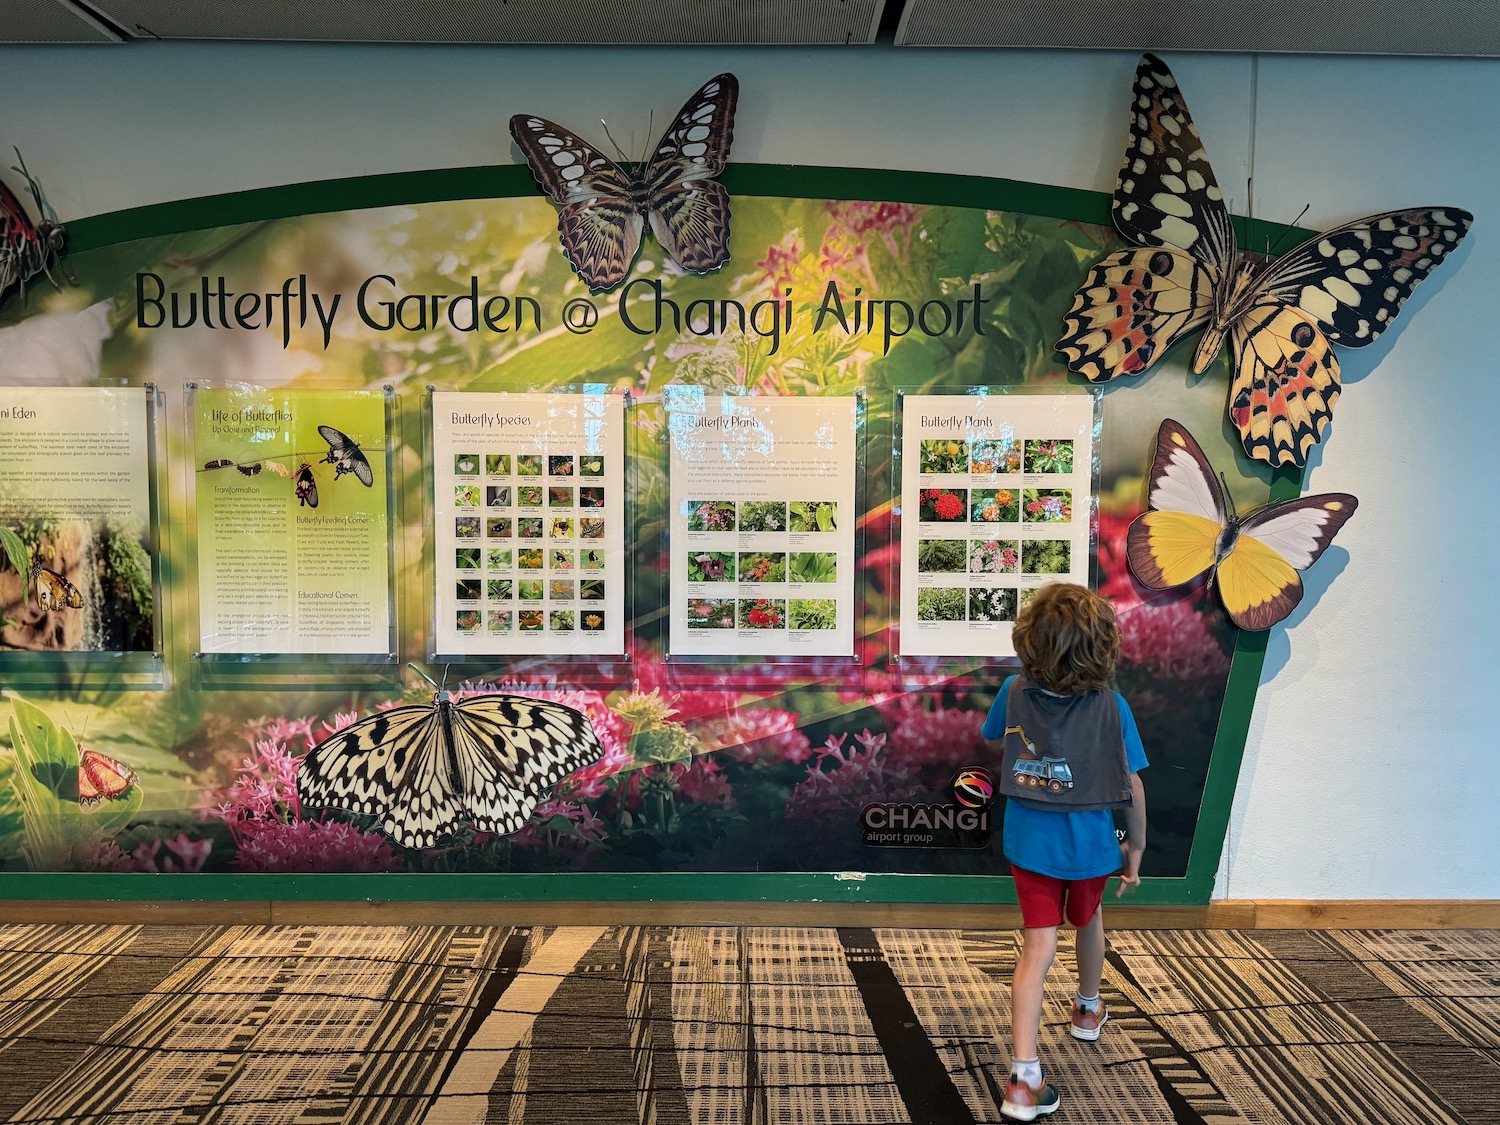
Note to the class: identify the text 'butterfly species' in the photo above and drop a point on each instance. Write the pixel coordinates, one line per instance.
(1192, 530)
(1344, 286)
(26, 248)
(427, 771)
(53, 591)
(605, 205)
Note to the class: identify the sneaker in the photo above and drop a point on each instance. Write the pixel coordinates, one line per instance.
(1086, 1024)
(1027, 1103)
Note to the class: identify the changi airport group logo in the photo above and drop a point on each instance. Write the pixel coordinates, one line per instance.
(963, 823)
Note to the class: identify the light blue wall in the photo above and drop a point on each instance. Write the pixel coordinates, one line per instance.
(1372, 769)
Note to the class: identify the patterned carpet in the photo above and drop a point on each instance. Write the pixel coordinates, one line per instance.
(725, 1026)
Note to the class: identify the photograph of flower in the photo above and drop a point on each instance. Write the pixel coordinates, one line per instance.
(466, 496)
(813, 613)
(530, 527)
(591, 558)
(994, 505)
(529, 589)
(812, 515)
(710, 515)
(1054, 456)
(531, 620)
(762, 613)
(996, 455)
(592, 621)
(591, 590)
(500, 620)
(500, 558)
(936, 556)
(1045, 556)
(529, 495)
(710, 566)
(941, 603)
(560, 465)
(498, 528)
(497, 496)
(468, 589)
(994, 556)
(497, 464)
(992, 604)
(529, 465)
(762, 515)
(710, 613)
(943, 505)
(468, 621)
(1047, 505)
(762, 566)
(466, 558)
(590, 528)
(814, 566)
(466, 527)
(529, 558)
(562, 558)
(499, 589)
(943, 455)
(590, 465)
(591, 496)
(560, 496)
(466, 464)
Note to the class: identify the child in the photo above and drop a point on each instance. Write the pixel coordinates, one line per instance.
(1071, 753)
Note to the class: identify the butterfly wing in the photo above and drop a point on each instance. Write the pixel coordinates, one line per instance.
(24, 250)
(102, 778)
(689, 209)
(1286, 380)
(1177, 540)
(1258, 580)
(53, 591)
(601, 222)
(306, 487)
(346, 456)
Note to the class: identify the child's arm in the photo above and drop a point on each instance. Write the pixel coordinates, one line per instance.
(1135, 837)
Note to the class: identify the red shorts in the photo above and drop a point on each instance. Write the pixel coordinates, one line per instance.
(1044, 899)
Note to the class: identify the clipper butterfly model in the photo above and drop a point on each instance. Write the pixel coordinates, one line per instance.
(1281, 318)
(1192, 530)
(26, 248)
(426, 771)
(605, 205)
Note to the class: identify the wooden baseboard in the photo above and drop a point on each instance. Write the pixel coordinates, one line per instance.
(1223, 914)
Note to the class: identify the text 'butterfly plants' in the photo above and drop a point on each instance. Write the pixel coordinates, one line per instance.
(1186, 271)
(428, 771)
(605, 205)
(1192, 530)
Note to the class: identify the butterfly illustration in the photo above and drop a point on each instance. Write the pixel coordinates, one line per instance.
(102, 778)
(1192, 529)
(426, 771)
(26, 248)
(346, 457)
(306, 487)
(605, 205)
(248, 468)
(53, 591)
(1344, 286)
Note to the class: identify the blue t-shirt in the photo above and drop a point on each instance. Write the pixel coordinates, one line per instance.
(1065, 845)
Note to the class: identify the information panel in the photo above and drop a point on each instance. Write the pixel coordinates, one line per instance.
(75, 498)
(762, 526)
(293, 521)
(997, 492)
(529, 523)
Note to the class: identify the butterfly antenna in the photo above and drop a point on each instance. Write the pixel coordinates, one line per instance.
(1286, 231)
(1228, 499)
(424, 675)
(620, 152)
(32, 185)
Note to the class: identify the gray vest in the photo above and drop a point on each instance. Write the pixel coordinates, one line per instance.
(1063, 752)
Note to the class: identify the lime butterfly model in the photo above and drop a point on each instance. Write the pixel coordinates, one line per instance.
(605, 205)
(1192, 529)
(1344, 286)
(427, 771)
(26, 248)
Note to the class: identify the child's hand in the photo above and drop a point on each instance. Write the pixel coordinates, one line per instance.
(1130, 869)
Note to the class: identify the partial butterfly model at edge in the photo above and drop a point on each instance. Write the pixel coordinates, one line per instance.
(605, 205)
(1344, 286)
(427, 771)
(1192, 530)
(26, 248)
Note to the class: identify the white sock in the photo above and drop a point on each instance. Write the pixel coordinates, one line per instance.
(1088, 1003)
(1028, 1071)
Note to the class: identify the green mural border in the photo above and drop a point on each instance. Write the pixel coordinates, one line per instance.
(786, 181)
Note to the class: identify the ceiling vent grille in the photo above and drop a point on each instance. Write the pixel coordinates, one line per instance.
(49, 21)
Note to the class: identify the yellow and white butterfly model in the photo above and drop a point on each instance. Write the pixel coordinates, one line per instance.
(1192, 530)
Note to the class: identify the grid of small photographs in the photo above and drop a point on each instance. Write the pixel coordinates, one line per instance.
(529, 553)
(988, 513)
(761, 564)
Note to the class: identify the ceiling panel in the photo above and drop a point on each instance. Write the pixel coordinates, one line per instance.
(49, 21)
(580, 22)
(1448, 27)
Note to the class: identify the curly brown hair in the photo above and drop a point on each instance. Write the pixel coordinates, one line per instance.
(1067, 638)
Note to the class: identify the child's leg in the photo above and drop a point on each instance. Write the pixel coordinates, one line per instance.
(1091, 954)
(1037, 951)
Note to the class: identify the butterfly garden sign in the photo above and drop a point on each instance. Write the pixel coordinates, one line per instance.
(606, 204)
(1281, 318)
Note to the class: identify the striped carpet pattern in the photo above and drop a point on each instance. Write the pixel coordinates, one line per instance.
(661, 1025)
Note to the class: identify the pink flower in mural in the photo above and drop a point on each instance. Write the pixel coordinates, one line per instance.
(780, 262)
(1172, 640)
(848, 780)
(760, 734)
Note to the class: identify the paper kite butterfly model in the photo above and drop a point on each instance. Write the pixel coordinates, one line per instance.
(605, 205)
(1192, 530)
(427, 771)
(1281, 318)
